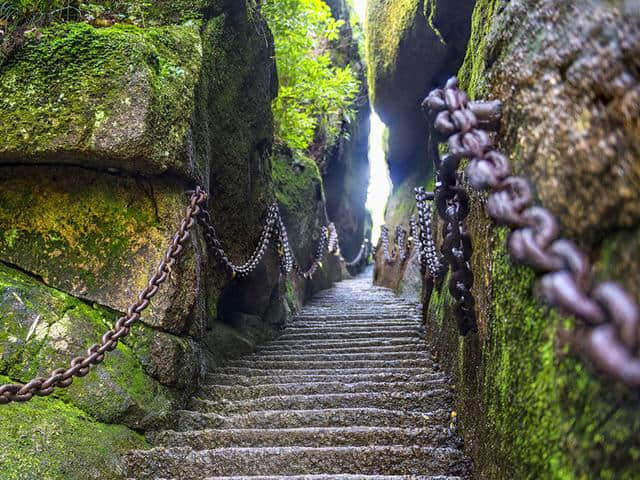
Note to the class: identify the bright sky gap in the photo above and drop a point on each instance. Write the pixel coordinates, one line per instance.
(380, 182)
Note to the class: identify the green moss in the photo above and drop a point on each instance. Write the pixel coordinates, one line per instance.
(473, 69)
(430, 14)
(296, 179)
(298, 187)
(84, 232)
(388, 22)
(83, 93)
(50, 440)
(529, 405)
(42, 329)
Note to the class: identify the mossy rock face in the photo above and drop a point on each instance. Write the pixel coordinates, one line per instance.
(568, 79)
(49, 439)
(300, 194)
(118, 97)
(99, 237)
(404, 277)
(529, 405)
(411, 46)
(43, 329)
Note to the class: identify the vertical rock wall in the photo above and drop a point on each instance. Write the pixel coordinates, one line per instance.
(412, 46)
(104, 130)
(345, 171)
(568, 76)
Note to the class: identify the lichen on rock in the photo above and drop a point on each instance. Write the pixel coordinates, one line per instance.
(43, 329)
(50, 439)
(530, 407)
(118, 97)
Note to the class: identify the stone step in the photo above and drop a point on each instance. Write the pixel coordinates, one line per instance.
(350, 324)
(418, 346)
(362, 335)
(409, 401)
(337, 328)
(371, 311)
(384, 377)
(333, 344)
(314, 356)
(354, 317)
(339, 477)
(304, 437)
(338, 370)
(337, 364)
(234, 391)
(334, 417)
(184, 462)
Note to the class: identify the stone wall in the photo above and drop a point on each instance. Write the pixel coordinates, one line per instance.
(104, 130)
(412, 46)
(568, 76)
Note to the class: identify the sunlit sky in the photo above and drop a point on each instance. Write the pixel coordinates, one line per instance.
(360, 7)
(380, 183)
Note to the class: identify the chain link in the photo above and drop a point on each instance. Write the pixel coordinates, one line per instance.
(429, 259)
(609, 335)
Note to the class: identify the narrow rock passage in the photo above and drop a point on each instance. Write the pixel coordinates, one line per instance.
(348, 391)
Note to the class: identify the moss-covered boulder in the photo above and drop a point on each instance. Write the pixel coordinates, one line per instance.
(567, 73)
(106, 129)
(99, 237)
(300, 194)
(43, 329)
(118, 97)
(411, 46)
(50, 439)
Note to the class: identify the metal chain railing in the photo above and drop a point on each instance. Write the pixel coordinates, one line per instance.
(363, 253)
(610, 332)
(429, 259)
(80, 366)
(384, 240)
(274, 228)
(400, 243)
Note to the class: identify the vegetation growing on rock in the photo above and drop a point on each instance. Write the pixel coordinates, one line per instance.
(49, 439)
(114, 97)
(530, 406)
(313, 92)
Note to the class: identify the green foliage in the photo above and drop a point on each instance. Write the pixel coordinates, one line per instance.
(313, 92)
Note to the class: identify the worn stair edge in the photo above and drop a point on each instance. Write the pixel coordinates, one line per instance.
(417, 346)
(330, 417)
(376, 377)
(324, 357)
(305, 437)
(337, 364)
(185, 462)
(239, 392)
(408, 401)
(338, 477)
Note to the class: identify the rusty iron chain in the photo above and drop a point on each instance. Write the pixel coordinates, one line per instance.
(384, 239)
(80, 366)
(609, 334)
(429, 259)
(400, 243)
(452, 205)
(196, 211)
(363, 253)
(274, 228)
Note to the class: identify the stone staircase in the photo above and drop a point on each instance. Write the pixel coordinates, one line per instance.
(348, 391)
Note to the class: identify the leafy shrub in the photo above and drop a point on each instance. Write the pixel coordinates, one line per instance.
(313, 92)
